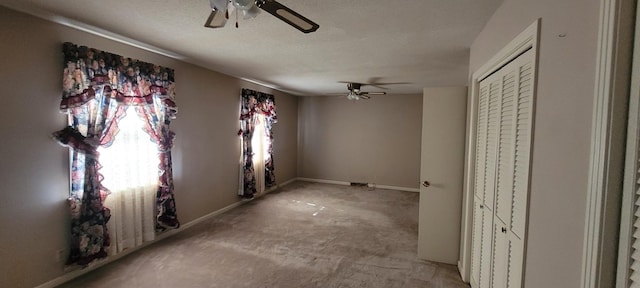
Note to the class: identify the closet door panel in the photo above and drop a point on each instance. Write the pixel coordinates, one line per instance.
(500, 255)
(481, 141)
(486, 251)
(493, 129)
(515, 261)
(476, 241)
(504, 189)
(522, 154)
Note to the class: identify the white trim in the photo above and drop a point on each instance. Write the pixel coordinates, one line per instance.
(46, 15)
(591, 257)
(75, 272)
(527, 39)
(324, 181)
(415, 190)
(603, 193)
(344, 183)
(288, 182)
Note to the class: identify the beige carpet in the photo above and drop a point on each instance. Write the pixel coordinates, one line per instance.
(303, 235)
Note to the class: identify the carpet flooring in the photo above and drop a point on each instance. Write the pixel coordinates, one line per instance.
(301, 235)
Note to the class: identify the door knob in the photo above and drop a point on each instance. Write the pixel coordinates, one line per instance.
(504, 230)
(426, 183)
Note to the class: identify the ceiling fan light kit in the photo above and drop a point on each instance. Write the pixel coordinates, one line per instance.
(220, 10)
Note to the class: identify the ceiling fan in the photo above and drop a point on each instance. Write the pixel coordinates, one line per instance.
(220, 10)
(356, 94)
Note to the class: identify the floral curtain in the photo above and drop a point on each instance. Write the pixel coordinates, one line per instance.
(253, 103)
(97, 86)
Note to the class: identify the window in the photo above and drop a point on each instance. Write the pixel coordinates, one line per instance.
(260, 148)
(131, 162)
(257, 116)
(130, 171)
(97, 91)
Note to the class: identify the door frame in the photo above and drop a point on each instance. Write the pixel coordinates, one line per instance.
(608, 134)
(528, 39)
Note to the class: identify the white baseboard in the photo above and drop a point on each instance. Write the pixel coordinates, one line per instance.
(462, 272)
(75, 272)
(324, 181)
(288, 182)
(417, 190)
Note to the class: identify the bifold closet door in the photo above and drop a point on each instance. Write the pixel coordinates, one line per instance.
(486, 144)
(502, 174)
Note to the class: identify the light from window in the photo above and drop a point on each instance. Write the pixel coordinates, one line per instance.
(259, 146)
(132, 160)
(259, 139)
(130, 171)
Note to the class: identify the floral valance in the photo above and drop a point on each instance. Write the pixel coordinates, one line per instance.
(128, 81)
(258, 102)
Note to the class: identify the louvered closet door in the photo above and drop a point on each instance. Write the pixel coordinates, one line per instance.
(486, 145)
(480, 221)
(628, 270)
(478, 205)
(629, 254)
(512, 187)
(502, 175)
(521, 164)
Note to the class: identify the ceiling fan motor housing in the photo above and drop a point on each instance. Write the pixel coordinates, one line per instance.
(354, 86)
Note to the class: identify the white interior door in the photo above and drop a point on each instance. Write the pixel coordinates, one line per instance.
(443, 139)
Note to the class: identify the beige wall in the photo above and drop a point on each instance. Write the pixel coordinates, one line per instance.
(371, 141)
(561, 146)
(34, 169)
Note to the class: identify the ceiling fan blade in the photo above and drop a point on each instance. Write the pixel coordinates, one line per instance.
(373, 93)
(217, 19)
(287, 15)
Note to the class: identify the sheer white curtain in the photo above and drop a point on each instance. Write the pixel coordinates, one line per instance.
(259, 146)
(130, 170)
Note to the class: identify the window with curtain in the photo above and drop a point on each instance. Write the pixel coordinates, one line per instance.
(257, 169)
(120, 110)
(130, 171)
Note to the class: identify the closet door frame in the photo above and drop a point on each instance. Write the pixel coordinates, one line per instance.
(528, 39)
(606, 168)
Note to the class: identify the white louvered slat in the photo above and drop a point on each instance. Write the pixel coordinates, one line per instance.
(505, 148)
(634, 261)
(522, 151)
(481, 142)
(493, 129)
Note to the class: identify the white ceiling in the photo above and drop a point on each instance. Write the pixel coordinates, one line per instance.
(420, 42)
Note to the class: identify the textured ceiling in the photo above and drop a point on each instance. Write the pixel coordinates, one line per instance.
(420, 43)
